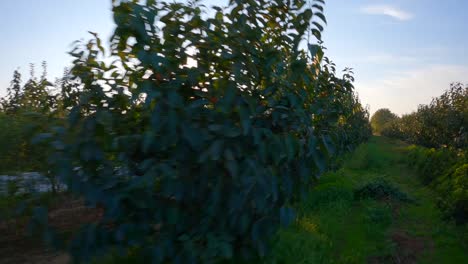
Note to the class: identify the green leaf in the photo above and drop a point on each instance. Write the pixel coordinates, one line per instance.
(287, 216)
(245, 119)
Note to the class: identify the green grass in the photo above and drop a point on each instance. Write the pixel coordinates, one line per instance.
(333, 227)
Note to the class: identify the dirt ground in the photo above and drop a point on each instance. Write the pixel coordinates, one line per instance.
(16, 246)
(408, 249)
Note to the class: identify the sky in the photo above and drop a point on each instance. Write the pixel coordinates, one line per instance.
(404, 52)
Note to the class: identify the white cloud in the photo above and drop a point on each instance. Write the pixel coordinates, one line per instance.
(384, 58)
(387, 10)
(404, 91)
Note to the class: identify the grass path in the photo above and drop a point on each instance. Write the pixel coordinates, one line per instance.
(335, 227)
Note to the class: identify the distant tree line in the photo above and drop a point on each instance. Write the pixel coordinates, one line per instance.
(29, 108)
(381, 119)
(443, 122)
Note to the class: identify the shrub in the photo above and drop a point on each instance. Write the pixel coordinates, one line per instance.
(196, 163)
(446, 171)
(381, 189)
(431, 163)
(453, 193)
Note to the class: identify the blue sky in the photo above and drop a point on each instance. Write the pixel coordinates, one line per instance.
(404, 52)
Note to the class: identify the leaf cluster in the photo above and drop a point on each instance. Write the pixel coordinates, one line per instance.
(204, 131)
(380, 189)
(446, 171)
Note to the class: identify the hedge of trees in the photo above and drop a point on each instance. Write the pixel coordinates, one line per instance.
(443, 122)
(203, 161)
(446, 171)
(440, 131)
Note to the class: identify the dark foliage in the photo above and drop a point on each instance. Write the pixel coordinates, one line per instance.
(446, 171)
(197, 162)
(381, 189)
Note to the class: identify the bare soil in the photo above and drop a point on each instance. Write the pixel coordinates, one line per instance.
(16, 246)
(408, 249)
